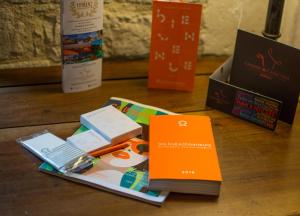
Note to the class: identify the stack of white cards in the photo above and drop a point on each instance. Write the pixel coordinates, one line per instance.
(112, 124)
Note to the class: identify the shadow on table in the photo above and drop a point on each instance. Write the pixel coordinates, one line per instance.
(192, 197)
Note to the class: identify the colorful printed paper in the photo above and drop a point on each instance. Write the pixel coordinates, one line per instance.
(81, 40)
(245, 104)
(124, 171)
(174, 45)
(256, 109)
(138, 112)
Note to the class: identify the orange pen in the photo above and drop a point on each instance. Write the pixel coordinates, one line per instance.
(98, 153)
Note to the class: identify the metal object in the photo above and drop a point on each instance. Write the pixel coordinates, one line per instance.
(273, 20)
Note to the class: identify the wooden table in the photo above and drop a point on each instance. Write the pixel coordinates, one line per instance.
(261, 168)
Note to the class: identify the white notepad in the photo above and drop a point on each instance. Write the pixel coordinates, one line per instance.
(88, 141)
(112, 124)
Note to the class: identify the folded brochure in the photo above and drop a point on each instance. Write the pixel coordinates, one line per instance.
(124, 172)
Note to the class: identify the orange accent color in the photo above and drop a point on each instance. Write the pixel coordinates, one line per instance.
(98, 153)
(70, 52)
(174, 45)
(135, 144)
(121, 154)
(177, 148)
(87, 49)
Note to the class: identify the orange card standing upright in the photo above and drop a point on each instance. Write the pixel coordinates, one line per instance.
(174, 45)
(183, 155)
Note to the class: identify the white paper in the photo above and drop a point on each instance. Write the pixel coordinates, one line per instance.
(111, 123)
(88, 141)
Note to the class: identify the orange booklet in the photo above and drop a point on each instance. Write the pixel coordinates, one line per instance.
(182, 156)
(174, 45)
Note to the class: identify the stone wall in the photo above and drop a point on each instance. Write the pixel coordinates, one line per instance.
(30, 29)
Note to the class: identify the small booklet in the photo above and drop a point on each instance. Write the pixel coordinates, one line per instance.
(183, 155)
(124, 172)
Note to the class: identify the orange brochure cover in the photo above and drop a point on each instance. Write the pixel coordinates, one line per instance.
(182, 147)
(174, 45)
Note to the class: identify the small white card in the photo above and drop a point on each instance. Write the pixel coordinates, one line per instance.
(52, 149)
(88, 141)
(112, 124)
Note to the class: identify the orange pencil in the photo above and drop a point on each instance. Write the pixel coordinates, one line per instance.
(98, 153)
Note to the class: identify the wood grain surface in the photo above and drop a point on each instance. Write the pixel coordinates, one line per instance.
(117, 69)
(44, 104)
(260, 168)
